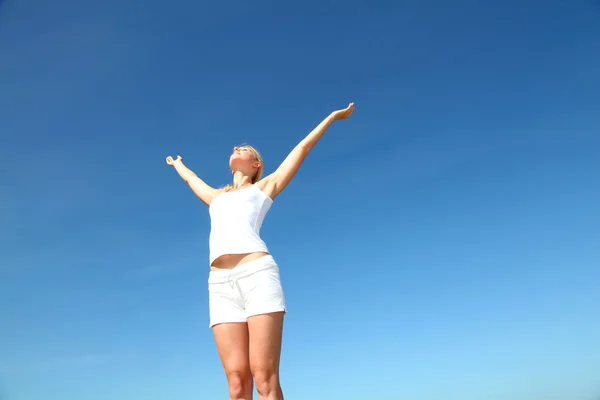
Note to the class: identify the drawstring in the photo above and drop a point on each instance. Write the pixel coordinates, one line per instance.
(233, 281)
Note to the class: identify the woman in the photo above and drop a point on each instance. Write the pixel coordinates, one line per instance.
(246, 300)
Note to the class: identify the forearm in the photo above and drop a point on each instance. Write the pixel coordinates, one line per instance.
(198, 186)
(312, 138)
(184, 172)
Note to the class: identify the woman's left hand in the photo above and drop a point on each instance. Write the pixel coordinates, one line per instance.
(343, 114)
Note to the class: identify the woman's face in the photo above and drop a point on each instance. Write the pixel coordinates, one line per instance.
(243, 159)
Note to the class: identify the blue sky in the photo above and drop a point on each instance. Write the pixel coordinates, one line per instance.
(442, 243)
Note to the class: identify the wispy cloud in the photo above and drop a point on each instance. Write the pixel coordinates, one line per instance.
(165, 267)
(58, 363)
(153, 270)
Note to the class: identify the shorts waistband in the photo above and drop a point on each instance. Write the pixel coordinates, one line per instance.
(243, 270)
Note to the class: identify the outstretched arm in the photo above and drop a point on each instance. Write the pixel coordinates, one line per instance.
(198, 186)
(274, 184)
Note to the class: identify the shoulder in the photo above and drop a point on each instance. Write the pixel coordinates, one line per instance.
(267, 186)
(217, 193)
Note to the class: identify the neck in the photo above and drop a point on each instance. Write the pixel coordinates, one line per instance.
(240, 180)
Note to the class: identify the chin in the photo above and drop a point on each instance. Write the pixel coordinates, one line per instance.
(235, 163)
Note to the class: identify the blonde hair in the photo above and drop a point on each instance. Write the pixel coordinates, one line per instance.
(259, 172)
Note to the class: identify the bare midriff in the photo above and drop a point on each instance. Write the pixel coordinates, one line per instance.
(230, 261)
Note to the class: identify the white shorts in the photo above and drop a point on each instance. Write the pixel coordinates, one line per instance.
(249, 289)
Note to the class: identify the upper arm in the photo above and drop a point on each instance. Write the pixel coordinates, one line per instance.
(274, 184)
(204, 192)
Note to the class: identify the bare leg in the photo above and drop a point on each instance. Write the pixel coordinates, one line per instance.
(232, 345)
(265, 351)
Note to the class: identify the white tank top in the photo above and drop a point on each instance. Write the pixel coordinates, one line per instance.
(235, 221)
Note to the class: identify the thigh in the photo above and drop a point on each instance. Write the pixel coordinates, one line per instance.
(263, 291)
(265, 335)
(233, 346)
(225, 304)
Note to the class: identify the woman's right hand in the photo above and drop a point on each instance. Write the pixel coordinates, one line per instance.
(172, 162)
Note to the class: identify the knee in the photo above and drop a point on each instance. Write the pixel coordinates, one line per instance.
(240, 385)
(267, 382)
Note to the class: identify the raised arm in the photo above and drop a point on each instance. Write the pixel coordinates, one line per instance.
(274, 184)
(198, 186)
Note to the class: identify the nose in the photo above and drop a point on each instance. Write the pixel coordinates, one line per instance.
(236, 149)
